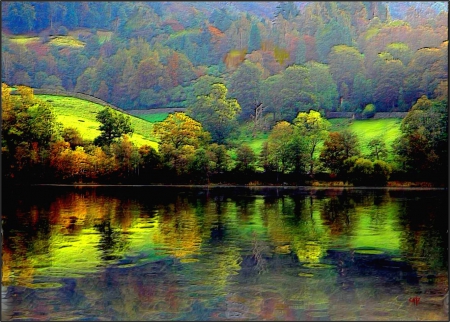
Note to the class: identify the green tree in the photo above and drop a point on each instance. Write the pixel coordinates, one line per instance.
(216, 112)
(378, 149)
(300, 52)
(202, 165)
(331, 34)
(314, 129)
(245, 159)
(369, 111)
(324, 89)
(113, 126)
(221, 158)
(254, 41)
(362, 91)
(381, 172)
(345, 62)
(423, 146)
(28, 128)
(244, 85)
(388, 81)
(362, 172)
(285, 149)
(200, 87)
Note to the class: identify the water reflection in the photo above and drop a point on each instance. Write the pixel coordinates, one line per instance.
(164, 253)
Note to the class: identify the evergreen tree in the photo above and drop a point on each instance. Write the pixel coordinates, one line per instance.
(254, 43)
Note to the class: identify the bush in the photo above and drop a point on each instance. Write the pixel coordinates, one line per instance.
(369, 111)
(381, 172)
(361, 173)
(62, 31)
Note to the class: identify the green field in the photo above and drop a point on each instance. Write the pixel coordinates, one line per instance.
(154, 117)
(387, 129)
(78, 113)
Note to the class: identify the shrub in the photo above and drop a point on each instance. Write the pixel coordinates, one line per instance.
(62, 31)
(361, 173)
(381, 172)
(369, 111)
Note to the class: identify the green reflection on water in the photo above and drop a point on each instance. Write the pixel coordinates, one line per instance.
(250, 255)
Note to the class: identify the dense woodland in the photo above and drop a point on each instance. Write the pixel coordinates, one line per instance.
(280, 72)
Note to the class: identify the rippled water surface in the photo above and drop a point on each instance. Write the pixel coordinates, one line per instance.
(179, 253)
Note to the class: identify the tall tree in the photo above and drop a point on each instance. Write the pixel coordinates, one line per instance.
(423, 146)
(378, 149)
(315, 130)
(285, 148)
(389, 80)
(345, 62)
(254, 41)
(216, 112)
(338, 147)
(180, 136)
(245, 84)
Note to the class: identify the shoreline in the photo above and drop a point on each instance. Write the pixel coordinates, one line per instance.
(301, 187)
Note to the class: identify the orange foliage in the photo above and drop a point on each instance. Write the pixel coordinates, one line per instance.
(235, 57)
(215, 32)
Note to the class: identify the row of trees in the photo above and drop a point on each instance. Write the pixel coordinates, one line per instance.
(36, 147)
(153, 57)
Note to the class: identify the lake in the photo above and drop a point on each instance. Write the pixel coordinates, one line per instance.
(224, 253)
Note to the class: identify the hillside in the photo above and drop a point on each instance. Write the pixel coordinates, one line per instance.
(145, 55)
(75, 112)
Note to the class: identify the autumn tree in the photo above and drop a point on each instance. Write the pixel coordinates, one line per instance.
(126, 155)
(113, 126)
(338, 147)
(180, 136)
(28, 127)
(72, 136)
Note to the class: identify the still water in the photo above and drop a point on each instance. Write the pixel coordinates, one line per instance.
(193, 253)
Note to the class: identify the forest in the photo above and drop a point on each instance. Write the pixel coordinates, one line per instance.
(275, 69)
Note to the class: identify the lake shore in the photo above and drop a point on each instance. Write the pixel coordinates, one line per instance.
(314, 185)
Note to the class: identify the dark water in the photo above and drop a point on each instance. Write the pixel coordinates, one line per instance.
(168, 253)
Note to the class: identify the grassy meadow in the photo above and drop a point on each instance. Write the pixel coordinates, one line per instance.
(154, 117)
(78, 113)
(387, 129)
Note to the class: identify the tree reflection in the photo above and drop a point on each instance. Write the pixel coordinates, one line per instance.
(179, 230)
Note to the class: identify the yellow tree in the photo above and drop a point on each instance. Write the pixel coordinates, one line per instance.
(179, 137)
(314, 129)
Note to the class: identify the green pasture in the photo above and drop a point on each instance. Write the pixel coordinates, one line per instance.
(154, 117)
(78, 113)
(386, 129)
